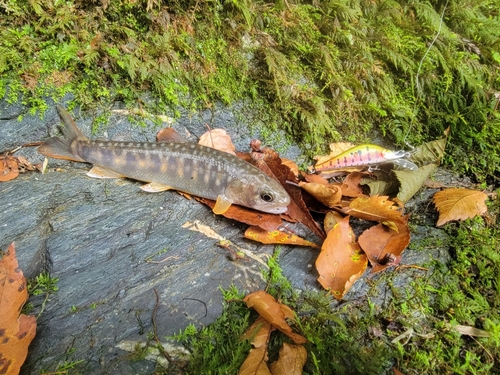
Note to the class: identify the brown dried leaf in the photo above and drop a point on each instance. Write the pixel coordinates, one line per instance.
(341, 261)
(8, 168)
(384, 246)
(351, 187)
(329, 195)
(16, 331)
(258, 234)
(291, 360)
(292, 165)
(247, 215)
(459, 204)
(376, 208)
(218, 139)
(274, 312)
(315, 178)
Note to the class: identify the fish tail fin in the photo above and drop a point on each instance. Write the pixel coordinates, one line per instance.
(61, 148)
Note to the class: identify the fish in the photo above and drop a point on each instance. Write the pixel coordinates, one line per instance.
(184, 166)
(366, 155)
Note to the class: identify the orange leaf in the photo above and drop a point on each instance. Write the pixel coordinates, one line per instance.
(8, 168)
(274, 312)
(376, 208)
(169, 135)
(331, 218)
(247, 215)
(219, 139)
(292, 165)
(341, 261)
(330, 195)
(351, 187)
(255, 363)
(291, 360)
(384, 246)
(16, 331)
(459, 204)
(276, 237)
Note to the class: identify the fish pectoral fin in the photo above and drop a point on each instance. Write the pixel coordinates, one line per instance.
(221, 205)
(101, 172)
(154, 187)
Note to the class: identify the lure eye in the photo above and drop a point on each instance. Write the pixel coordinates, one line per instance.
(266, 197)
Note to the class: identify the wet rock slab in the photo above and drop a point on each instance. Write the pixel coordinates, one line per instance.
(114, 248)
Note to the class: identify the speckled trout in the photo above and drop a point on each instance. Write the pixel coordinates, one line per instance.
(187, 167)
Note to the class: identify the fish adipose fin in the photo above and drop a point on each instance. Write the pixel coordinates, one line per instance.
(221, 205)
(154, 187)
(101, 172)
(60, 148)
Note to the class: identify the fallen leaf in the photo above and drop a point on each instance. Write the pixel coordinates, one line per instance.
(431, 152)
(459, 204)
(258, 234)
(218, 139)
(16, 331)
(381, 182)
(331, 219)
(351, 186)
(259, 334)
(412, 181)
(248, 216)
(384, 246)
(292, 165)
(274, 312)
(341, 261)
(376, 208)
(315, 178)
(471, 331)
(8, 168)
(291, 360)
(329, 195)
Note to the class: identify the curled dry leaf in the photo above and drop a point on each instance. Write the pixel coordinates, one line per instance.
(376, 208)
(459, 204)
(16, 331)
(329, 195)
(384, 246)
(412, 181)
(291, 360)
(248, 216)
(258, 234)
(255, 363)
(341, 261)
(274, 312)
(218, 139)
(351, 186)
(8, 168)
(292, 165)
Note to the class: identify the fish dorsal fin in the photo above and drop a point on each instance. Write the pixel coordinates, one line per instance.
(154, 187)
(101, 172)
(70, 130)
(221, 205)
(170, 135)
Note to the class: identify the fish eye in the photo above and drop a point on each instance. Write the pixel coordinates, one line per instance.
(266, 197)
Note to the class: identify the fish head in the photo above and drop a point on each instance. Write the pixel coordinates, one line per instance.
(262, 194)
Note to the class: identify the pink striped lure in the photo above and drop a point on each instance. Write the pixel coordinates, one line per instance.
(366, 155)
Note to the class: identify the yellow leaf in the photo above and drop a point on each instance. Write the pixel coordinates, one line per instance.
(291, 360)
(459, 204)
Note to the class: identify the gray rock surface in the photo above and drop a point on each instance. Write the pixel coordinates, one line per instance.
(112, 246)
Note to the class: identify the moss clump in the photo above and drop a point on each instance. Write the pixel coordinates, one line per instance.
(412, 331)
(327, 70)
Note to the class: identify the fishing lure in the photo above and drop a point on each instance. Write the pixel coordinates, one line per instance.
(366, 155)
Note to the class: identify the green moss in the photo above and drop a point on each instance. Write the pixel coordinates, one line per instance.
(329, 71)
(412, 330)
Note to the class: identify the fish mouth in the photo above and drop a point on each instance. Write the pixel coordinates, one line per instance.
(277, 210)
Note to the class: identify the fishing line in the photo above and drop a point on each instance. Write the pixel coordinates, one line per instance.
(420, 67)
